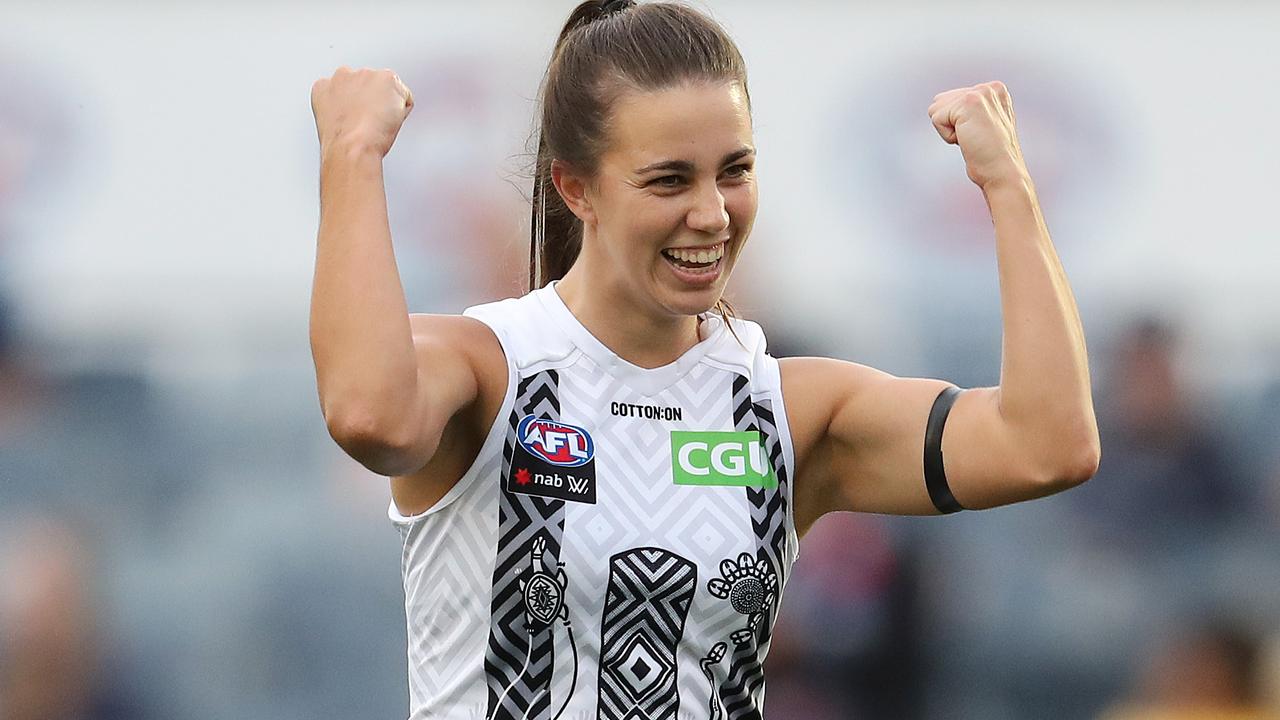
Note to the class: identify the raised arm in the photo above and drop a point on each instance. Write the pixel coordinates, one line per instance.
(860, 433)
(388, 383)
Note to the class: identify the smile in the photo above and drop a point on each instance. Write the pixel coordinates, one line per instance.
(695, 258)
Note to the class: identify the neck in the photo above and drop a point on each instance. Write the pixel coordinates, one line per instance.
(639, 333)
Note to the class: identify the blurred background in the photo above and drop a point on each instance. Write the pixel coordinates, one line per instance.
(179, 538)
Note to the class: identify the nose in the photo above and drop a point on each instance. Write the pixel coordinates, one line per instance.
(708, 213)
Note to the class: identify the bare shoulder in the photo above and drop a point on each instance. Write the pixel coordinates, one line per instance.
(471, 351)
(464, 358)
(840, 415)
(463, 338)
(466, 332)
(815, 388)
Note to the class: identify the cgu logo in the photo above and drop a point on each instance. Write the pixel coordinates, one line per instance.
(557, 443)
(720, 458)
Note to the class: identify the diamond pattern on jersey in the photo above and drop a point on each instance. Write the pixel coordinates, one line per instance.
(636, 506)
(650, 590)
(519, 659)
(636, 496)
(742, 692)
(448, 608)
(713, 533)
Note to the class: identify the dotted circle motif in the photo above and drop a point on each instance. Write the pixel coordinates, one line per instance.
(747, 595)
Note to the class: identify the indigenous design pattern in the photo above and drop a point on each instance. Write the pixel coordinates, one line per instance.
(742, 692)
(519, 660)
(646, 605)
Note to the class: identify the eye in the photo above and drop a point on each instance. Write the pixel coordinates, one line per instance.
(669, 182)
(740, 170)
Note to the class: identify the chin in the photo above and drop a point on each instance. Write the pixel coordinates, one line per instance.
(688, 302)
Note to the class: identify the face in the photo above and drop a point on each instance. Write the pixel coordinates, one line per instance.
(674, 198)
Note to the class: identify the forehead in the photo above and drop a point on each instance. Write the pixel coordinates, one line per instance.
(689, 121)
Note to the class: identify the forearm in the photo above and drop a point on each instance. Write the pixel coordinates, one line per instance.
(1045, 394)
(361, 339)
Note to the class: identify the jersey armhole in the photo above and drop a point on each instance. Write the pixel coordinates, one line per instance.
(492, 441)
(774, 381)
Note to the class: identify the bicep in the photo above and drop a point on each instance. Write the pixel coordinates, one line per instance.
(866, 434)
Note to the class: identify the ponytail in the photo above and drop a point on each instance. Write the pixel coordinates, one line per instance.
(555, 233)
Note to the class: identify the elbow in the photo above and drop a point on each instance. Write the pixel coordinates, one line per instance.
(382, 447)
(1075, 467)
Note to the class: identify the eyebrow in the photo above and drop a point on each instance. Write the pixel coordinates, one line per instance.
(686, 166)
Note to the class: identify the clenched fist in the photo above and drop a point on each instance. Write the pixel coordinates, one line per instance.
(980, 120)
(361, 107)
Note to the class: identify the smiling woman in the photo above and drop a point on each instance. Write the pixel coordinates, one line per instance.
(663, 213)
(599, 485)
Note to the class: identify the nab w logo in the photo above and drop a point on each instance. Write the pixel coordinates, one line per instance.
(552, 460)
(720, 458)
(578, 485)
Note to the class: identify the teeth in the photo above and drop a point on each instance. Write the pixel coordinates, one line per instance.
(704, 255)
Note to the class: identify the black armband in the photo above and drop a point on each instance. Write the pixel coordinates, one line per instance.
(935, 478)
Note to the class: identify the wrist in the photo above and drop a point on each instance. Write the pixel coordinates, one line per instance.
(1011, 183)
(350, 150)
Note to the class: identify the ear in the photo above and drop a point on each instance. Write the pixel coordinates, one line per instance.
(573, 190)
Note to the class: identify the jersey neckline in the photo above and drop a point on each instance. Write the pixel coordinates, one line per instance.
(649, 381)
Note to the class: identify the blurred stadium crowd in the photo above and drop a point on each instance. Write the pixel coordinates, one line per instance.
(190, 544)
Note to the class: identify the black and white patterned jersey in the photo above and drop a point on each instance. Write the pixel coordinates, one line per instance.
(619, 548)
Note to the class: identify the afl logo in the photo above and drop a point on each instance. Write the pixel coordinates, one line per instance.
(557, 443)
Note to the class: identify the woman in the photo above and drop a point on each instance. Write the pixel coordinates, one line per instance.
(600, 485)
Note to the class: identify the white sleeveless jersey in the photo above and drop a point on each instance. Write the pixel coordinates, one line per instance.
(619, 548)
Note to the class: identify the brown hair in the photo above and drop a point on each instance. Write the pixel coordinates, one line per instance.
(606, 48)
